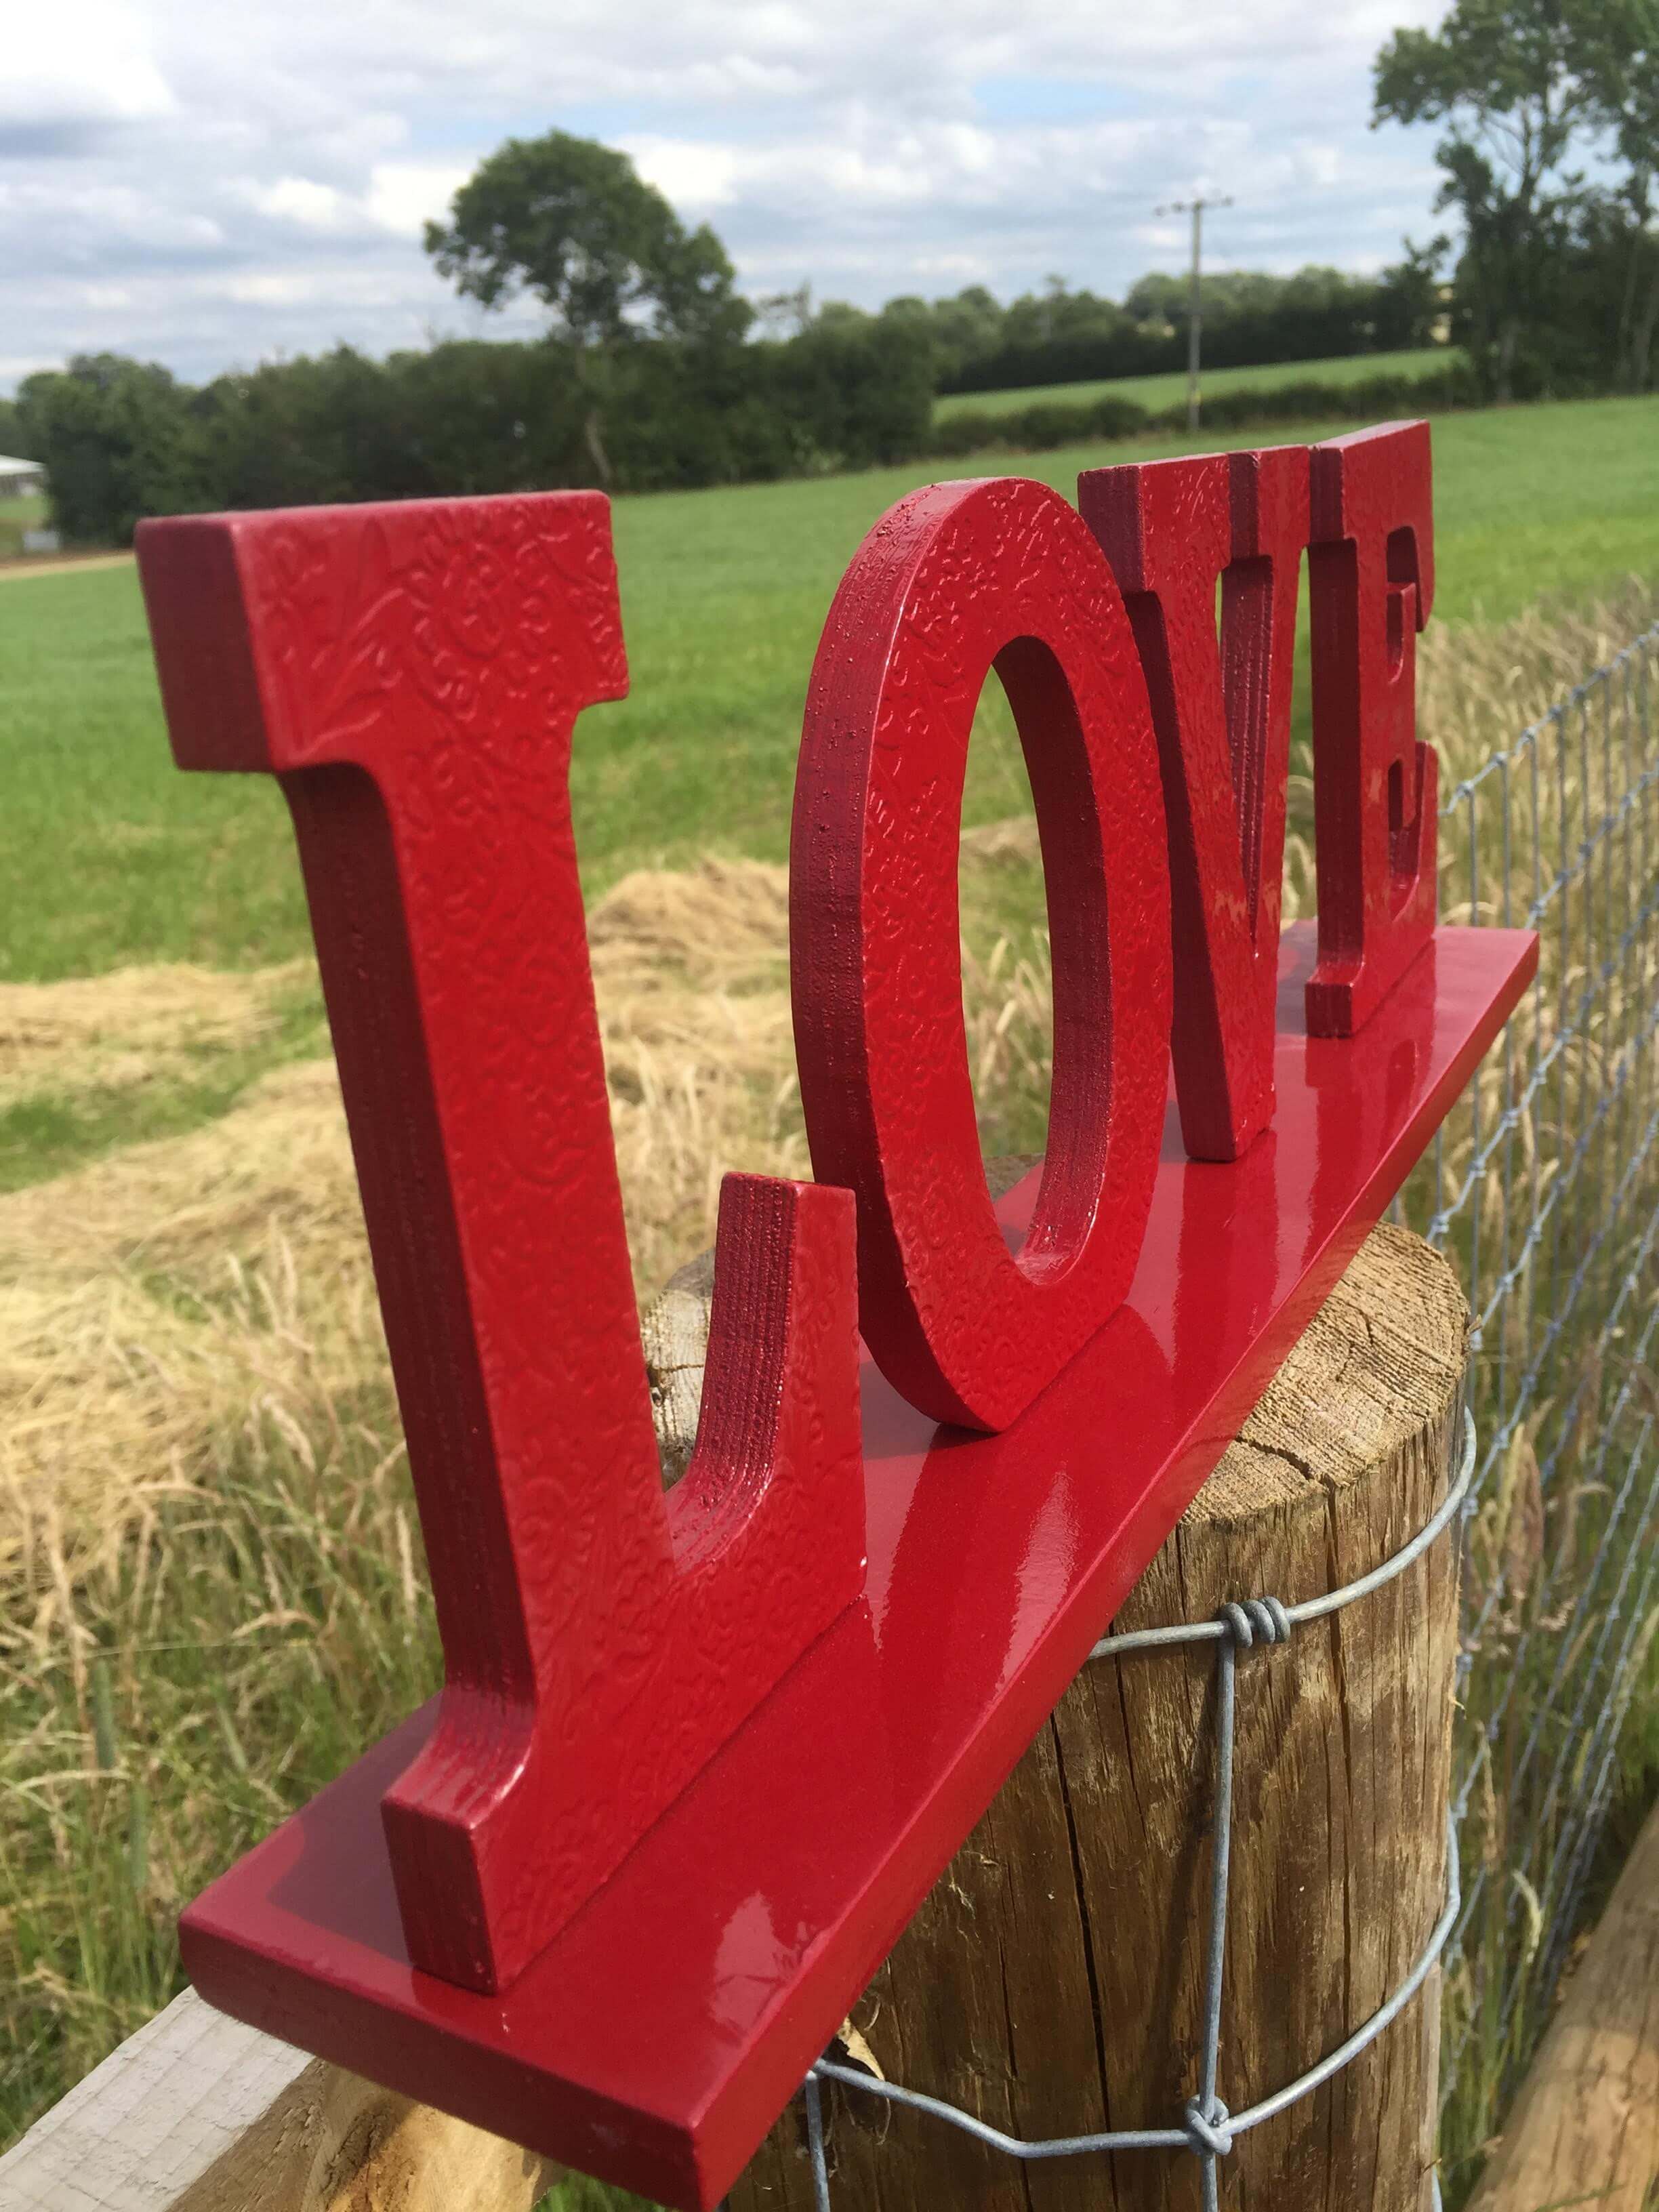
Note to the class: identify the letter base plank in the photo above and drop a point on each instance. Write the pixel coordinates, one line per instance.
(657, 2038)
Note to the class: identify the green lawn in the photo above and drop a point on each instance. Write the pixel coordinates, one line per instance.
(1169, 391)
(112, 857)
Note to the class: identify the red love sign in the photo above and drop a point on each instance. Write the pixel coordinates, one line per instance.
(697, 1757)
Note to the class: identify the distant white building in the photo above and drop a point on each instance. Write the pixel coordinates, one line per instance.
(19, 477)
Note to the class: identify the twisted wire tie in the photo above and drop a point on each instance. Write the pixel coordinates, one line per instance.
(1256, 1620)
(1209, 2133)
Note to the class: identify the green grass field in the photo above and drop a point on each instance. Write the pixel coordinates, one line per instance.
(110, 856)
(1157, 391)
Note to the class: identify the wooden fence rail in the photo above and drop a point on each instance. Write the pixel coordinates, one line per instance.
(197, 2113)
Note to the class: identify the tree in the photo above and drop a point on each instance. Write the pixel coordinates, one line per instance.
(1410, 301)
(785, 314)
(1624, 72)
(116, 439)
(859, 389)
(1524, 85)
(572, 222)
(965, 329)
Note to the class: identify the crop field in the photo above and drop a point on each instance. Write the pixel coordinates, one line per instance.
(210, 1590)
(1170, 390)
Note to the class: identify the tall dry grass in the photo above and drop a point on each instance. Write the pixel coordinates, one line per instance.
(139, 1026)
(148, 1300)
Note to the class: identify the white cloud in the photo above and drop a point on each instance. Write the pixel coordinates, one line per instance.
(695, 176)
(404, 195)
(271, 289)
(301, 200)
(78, 63)
(207, 186)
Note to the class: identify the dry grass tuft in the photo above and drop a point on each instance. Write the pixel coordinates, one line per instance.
(138, 1025)
(691, 975)
(1477, 687)
(148, 1300)
(722, 924)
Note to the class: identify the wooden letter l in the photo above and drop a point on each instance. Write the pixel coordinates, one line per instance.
(412, 673)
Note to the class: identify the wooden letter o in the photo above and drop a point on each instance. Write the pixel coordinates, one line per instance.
(954, 581)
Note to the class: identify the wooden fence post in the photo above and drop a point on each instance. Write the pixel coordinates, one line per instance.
(1584, 2127)
(1052, 1981)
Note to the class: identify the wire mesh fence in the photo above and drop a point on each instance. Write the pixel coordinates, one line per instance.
(1544, 1184)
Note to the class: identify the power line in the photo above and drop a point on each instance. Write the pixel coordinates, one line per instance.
(1195, 314)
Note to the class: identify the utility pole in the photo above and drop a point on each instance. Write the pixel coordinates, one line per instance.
(1196, 315)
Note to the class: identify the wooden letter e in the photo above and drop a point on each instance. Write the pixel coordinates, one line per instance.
(1370, 575)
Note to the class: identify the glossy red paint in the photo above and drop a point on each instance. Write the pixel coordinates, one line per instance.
(660, 2033)
(412, 673)
(1222, 706)
(768, 1753)
(1371, 581)
(953, 580)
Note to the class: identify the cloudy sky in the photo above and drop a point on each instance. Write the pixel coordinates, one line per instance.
(208, 182)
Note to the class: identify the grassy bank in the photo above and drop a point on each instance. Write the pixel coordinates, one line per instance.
(1168, 391)
(112, 857)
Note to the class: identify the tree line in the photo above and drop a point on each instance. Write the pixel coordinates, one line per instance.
(122, 438)
(1059, 336)
(655, 371)
(645, 408)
